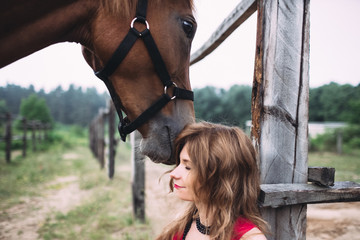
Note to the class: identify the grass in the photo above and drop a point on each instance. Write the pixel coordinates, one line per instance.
(347, 166)
(105, 214)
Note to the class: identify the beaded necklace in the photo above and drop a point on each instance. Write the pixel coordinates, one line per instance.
(187, 228)
(200, 227)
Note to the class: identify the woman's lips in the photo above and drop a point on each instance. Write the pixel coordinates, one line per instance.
(177, 186)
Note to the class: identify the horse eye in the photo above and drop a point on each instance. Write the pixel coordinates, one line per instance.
(188, 28)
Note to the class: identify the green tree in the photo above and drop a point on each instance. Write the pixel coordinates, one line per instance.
(315, 107)
(35, 108)
(334, 102)
(12, 94)
(354, 117)
(3, 108)
(236, 105)
(72, 106)
(207, 104)
(231, 107)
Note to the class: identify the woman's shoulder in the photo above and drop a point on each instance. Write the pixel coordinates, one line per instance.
(253, 234)
(243, 225)
(245, 229)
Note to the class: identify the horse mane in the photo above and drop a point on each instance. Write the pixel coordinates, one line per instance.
(126, 7)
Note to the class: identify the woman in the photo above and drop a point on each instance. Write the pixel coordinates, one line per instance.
(217, 173)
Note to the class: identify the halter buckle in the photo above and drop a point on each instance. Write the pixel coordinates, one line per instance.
(166, 87)
(123, 123)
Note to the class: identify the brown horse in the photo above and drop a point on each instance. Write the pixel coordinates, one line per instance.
(99, 26)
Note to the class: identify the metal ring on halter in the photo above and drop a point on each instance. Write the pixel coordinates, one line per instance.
(165, 90)
(140, 20)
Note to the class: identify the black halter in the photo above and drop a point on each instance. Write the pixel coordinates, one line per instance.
(125, 126)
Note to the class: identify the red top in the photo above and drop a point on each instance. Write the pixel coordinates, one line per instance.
(241, 226)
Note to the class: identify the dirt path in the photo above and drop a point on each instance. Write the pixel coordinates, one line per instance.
(161, 206)
(23, 220)
(338, 221)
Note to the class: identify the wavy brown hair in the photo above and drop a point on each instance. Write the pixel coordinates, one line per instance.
(225, 168)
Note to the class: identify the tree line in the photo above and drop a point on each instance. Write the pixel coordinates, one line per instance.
(328, 103)
(72, 106)
(331, 102)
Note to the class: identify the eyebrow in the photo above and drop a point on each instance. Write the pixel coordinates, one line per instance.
(185, 160)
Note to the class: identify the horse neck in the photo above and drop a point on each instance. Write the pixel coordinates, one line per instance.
(27, 26)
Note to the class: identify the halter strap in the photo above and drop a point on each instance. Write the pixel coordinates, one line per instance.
(125, 126)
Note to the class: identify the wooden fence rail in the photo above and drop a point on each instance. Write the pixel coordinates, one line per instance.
(38, 135)
(280, 113)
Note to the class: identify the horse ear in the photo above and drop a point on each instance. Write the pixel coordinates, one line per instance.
(91, 58)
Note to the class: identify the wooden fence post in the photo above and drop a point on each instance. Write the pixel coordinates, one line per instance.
(138, 177)
(38, 128)
(8, 136)
(24, 138)
(280, 106)
(33, 136)
(92, 137)
(339, 141)
(112, 141)
(100, 138)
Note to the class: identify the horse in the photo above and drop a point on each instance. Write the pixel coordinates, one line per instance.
(149, 83)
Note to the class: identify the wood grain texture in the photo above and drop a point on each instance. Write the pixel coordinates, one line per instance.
(280, 195)
(138, 177)
(322, 176)
(280, 105)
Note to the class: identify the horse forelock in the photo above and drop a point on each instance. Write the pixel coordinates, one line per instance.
(126, 7)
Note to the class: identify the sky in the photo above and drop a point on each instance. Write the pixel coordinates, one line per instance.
(334, 51)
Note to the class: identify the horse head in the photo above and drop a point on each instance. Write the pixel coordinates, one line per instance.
(135, 82)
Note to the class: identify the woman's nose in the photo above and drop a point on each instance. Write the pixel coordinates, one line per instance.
(174, 173)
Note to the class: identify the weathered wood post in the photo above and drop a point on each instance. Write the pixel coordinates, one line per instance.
(47, 128)
(339, 141)
(43, 128)
(8, 136)
(38, 128)
(92, 137)
(100, 138)
(138, 177)
(112, 141)
(24, 138)
(280, 106)
(33, 137)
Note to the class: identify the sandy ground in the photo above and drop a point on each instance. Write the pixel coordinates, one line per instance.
(23, 220)
(338, 221)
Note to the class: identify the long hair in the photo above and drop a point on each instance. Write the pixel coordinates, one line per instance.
(226, 172)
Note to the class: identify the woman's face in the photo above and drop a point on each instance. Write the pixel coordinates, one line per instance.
(182, 177)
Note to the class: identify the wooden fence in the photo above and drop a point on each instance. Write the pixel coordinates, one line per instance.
(280, 114)
(38, 135)
(97, 139)
(98, 145)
